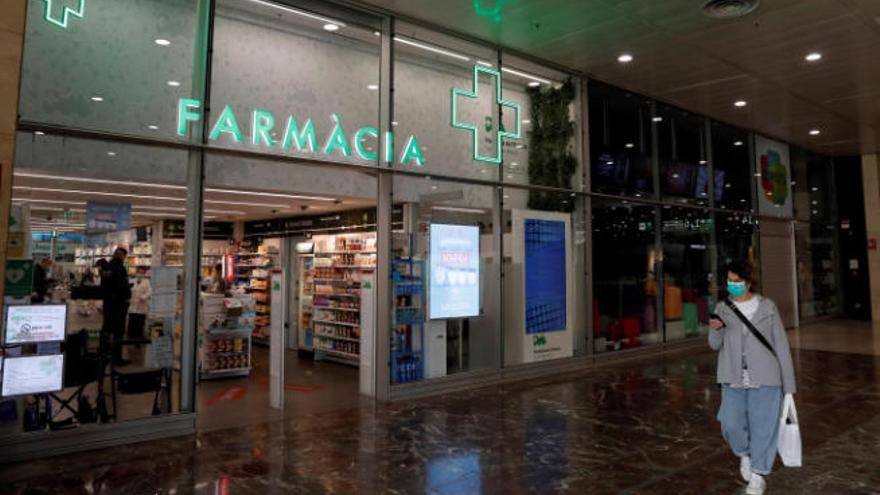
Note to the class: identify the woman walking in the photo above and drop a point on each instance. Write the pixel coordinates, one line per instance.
(754, 370)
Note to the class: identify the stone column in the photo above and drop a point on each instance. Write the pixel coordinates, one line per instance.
(871, 184)
(12, 21)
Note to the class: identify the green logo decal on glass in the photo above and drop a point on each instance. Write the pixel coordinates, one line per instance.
(475, 95)
(59, 14)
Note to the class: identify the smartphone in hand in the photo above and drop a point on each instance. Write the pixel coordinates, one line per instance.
(714, 316)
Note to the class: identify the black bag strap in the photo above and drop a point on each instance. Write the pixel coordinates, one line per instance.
(758, 335)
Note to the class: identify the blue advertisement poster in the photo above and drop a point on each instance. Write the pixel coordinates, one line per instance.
(108, 217)
(455, 271)
(545, 276)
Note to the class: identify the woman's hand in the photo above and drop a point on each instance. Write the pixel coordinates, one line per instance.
(715, 324)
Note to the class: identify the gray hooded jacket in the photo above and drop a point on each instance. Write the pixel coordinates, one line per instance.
(764, 369)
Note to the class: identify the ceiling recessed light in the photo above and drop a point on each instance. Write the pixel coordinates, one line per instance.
(740, 103)
(153, 127)
(39, 133)
(394, 123)
(815, 132)
(630, 145)
(97, 98)
(111, 153)
(162, 42)
(813, 57)
(526, 121)
(657, 119)
(331, 27)
(377, 33)
(373, 87)
(703, 162)
(625, 58)
(534, 84)
(737, 143)
(174, 84)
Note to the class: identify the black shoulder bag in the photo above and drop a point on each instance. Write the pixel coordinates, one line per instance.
(751, 327)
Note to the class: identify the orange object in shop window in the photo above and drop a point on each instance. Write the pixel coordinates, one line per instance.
(674, 307)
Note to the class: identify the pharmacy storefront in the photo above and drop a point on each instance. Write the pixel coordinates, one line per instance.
(222, 207)
(225, 212)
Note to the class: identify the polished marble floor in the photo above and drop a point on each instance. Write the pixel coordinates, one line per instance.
(634, 427)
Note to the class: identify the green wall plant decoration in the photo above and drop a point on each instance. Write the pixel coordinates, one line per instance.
(551, 155)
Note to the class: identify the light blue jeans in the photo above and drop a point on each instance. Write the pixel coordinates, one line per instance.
(750, 423)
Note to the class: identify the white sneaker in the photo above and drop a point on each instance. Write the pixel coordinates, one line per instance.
(757, 485)
(745, 468)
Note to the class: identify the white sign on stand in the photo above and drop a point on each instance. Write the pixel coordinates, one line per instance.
(32, 375)
(35, 323)
(276, 339)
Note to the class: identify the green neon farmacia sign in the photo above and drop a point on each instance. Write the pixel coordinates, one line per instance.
(302, 138)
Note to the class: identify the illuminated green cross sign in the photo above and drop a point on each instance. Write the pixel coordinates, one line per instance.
(475, 95)
(63, 13)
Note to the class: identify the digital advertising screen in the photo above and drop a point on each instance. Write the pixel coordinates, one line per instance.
(35, 323)
(702, 188)
(32, 375)
(545, 267)
(454, 271)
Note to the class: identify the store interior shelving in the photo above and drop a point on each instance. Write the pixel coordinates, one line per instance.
(409, 317)
(331, 302)
(252, 272)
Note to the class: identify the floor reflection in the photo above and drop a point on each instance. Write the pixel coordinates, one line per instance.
(635, 427)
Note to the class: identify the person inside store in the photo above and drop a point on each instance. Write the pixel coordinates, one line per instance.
(141, 293)
(218, 283)
(42, 280)
(754, 370)
(116, 295)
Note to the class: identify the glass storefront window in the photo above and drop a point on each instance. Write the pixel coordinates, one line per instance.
(687, 271)
(620, 141)
(446, 279)
(92, 226)
(284, 84)
(817, 264)
(732, 168)
(681, 140)
(624, 277)
(119, 68)
(427, 68)
(548, 150)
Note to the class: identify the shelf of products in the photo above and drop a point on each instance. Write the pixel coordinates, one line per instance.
(226, 325)
(331, 280)
(409, 317)
(252, 270)
(306, 300)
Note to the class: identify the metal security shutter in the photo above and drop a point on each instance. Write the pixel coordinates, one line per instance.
(778, 277)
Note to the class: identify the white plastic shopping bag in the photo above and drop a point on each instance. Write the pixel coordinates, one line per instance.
(789, 444)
